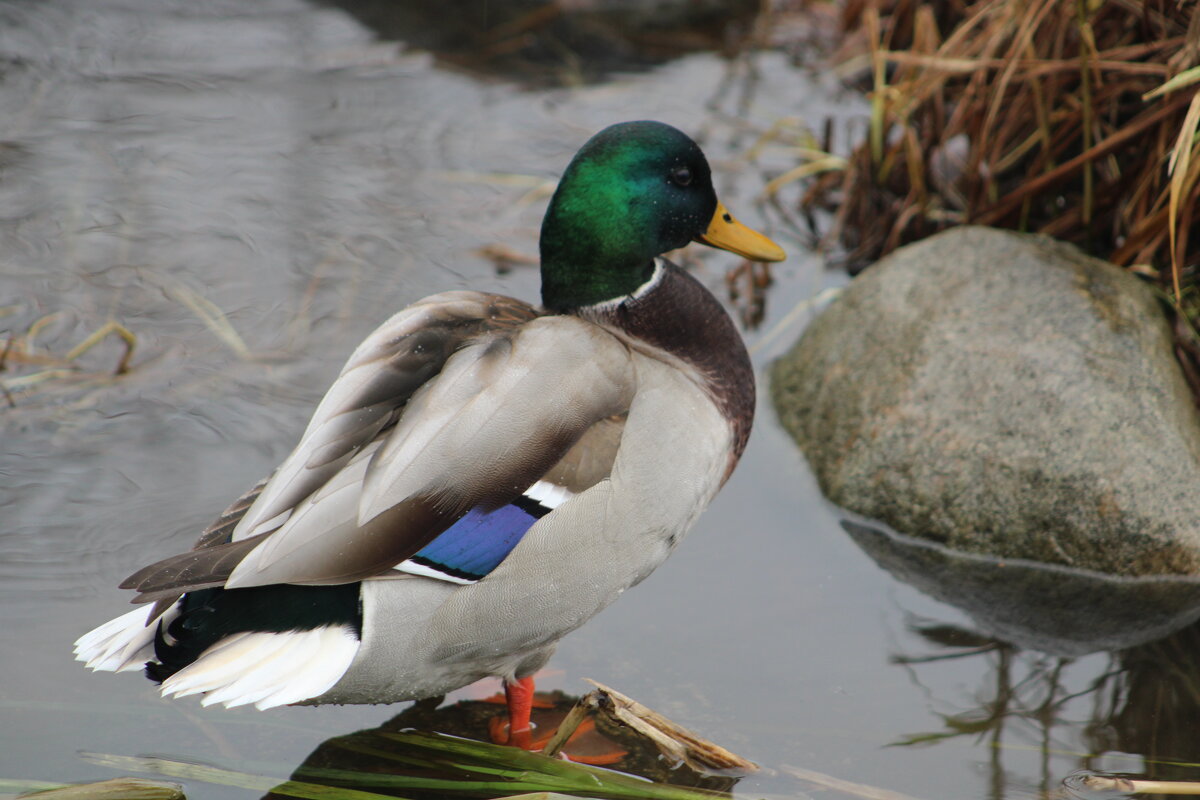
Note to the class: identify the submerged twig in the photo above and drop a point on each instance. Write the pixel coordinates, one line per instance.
(212, 316)
(847, 787)
(110, 327)
(19, 351)
(792, 317)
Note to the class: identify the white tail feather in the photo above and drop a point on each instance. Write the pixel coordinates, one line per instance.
(253, 685)
(267, 669)
(121, 644)
(222, 661)
(314, 682)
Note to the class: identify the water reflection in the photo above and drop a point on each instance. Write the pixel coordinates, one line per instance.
(1055, 609)
(1153, 707)
(1137, 693)
(558, 42)
(1140, 709)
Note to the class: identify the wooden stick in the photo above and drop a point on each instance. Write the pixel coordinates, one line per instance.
(571, 722)
(1101, 783)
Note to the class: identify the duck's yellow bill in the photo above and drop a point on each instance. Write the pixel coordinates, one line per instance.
(727, 233)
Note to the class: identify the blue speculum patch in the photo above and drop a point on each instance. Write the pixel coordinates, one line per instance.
(477, 543)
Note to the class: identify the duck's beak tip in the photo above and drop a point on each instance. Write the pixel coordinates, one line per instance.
(727, 233)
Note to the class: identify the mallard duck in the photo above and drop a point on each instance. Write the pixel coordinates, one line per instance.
(484, 475)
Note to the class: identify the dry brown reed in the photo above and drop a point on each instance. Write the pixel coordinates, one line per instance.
(37, 368)
(1035, 115)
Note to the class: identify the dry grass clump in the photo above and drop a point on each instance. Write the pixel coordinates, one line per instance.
(1075, 119)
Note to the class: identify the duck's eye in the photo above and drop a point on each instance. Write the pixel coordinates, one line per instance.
(681, 176)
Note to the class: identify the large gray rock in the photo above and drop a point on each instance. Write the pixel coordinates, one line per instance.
(1007, 395)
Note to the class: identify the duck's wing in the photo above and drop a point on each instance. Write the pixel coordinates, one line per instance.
(373, 390)
(426, 423)
(221, 529)
(366, 399)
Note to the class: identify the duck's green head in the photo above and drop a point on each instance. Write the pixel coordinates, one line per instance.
(635, 191)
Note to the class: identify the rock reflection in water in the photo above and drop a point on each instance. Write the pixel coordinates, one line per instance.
(1035, 623)
(1054, 609)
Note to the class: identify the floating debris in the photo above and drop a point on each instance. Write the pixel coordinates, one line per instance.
(672, 740)
(21, 351)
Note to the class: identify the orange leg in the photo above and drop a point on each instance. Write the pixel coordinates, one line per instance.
(519, 696)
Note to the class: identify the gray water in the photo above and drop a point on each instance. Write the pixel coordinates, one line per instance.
(250, 193)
